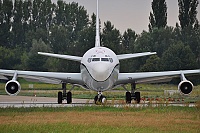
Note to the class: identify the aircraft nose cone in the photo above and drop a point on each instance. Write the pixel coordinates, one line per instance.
(100, 72)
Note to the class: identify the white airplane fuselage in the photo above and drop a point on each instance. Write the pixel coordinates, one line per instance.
(99, 68)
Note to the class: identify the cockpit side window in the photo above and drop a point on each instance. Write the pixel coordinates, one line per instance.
(111, 60)
(89, 60)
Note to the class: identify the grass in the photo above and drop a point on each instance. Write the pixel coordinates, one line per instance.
(100, 119)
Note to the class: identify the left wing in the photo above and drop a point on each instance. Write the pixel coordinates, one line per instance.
(135, 55)
(185, 86)
(152, 77)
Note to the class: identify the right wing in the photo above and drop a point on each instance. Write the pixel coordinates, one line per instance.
(68, 57)
(45, 77)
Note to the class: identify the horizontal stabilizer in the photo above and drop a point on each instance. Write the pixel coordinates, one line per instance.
(128, 56)
(67, 57)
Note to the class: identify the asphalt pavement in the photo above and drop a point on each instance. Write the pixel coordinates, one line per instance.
(28, 101)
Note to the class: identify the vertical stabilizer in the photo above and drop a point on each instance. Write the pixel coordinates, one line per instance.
(97, 39)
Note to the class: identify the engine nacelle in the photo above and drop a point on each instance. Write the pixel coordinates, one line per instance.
(12, 87)
(185, 87)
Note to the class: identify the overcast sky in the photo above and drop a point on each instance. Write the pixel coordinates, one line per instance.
(126, 14)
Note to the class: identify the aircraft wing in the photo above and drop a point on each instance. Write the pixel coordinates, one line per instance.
(68, 57)
(152, 77)
(45, 77)
(128, 56)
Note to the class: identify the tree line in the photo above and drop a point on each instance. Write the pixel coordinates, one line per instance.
(29, 26)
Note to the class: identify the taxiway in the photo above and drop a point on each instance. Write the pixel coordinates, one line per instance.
(28, 101)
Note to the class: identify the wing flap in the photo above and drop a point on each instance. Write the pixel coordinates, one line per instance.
(43, 80)
(3, 77)
(154, 80)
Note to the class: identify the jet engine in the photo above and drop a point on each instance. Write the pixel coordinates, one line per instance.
(185, 87)
(12, 87)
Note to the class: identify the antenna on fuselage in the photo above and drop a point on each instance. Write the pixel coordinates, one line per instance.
(97, 39)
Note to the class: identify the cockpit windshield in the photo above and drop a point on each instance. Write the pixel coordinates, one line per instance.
(100, 59)
(104, 59)
(95, 59)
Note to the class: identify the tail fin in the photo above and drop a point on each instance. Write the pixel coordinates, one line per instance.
(97, 39)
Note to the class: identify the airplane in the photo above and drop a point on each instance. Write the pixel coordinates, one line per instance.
(99, 71)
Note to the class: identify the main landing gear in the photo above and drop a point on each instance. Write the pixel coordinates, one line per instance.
(132, 95)
(63, 95)
(99, 99)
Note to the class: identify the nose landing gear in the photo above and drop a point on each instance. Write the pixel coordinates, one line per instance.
(99, 99)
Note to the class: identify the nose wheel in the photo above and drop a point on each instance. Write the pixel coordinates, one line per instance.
(99, 99)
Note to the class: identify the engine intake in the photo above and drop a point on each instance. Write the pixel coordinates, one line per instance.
(12, 87)
(185, 87)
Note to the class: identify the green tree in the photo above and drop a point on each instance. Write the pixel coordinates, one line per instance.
(2, 39)
(86, 37)
(158, 40)
(178, 57)
(17, 26)
(197, 41)
(46, 14)
(187, 12)
(35, 61)
(191, 37)
(27, 9)
(37, 15)
(79, 20)
(9, 58)
(38, 34)
(6, 14)
(158, 16)
(24, 61)
(128, 46)
(59, 39)
(128, 40)
(111, 37)
(152, 64)
(60, 18)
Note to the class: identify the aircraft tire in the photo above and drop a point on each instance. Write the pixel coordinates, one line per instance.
(103, 100)
(59, 97)
(137, 97)
(128, 97)
(69, 97)
(96, 99)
